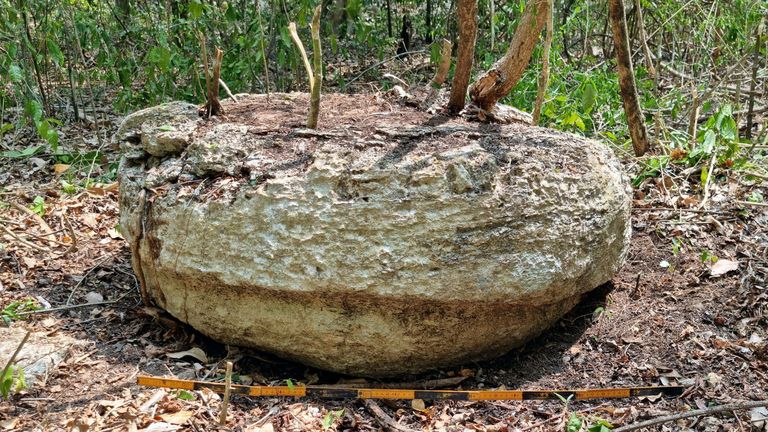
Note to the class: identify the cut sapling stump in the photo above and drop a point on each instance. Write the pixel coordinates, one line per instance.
(212, 105)
(315, 77)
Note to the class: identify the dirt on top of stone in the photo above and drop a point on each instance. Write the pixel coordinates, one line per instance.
(263, 137)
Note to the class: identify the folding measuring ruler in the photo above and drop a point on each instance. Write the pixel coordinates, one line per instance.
(340, 392)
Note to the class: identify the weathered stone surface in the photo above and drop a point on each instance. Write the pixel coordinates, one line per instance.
(161, 130)
(376, 251)
(40, 354)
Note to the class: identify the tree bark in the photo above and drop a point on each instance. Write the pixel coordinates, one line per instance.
(467, 15)
(505, 73)
(627, 86)
(643, 39)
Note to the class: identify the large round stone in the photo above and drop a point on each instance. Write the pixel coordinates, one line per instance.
(383, 243)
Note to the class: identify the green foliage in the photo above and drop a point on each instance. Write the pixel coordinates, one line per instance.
(331, 417)
(38, 206)
(12, 382)
(185, 395)
(11, 312)
(574, 423)
(600, 426)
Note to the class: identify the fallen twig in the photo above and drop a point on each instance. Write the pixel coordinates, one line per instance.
(693, 413)
(72, 236)
(155, 398)
(758, 204)
(386, 422)
(85, 276)
(22, 241)
(15, 353)
(61, 308)
(43, 224)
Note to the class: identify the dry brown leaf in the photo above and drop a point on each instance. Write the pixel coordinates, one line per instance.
(195, 352)
(60, 168)
(267, 427)
(9, 424)
(178, 418)
(418, 405)
(723, 266)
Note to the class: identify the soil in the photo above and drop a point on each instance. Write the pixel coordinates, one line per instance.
(668, 317)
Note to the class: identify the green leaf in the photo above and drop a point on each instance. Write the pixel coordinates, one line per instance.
(15, 73)
(290, 384)
(55, 51)
(728, 128)
(34, 110)
(166, 128)
(185, 395)
(709, 141)
(27, 152)
(38, 206)
(195, 9)
(574, 423)
(588, 97)
(601, 426)
(161, 57)
(704, 174)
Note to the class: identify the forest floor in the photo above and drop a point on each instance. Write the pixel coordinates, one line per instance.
(674, 314)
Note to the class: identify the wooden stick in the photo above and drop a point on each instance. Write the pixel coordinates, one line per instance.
(693, 413)
(758, 204)
(68, 307)
(15, 353)
(43, 224)
(227, 389)
(387, 422)
(22, 241)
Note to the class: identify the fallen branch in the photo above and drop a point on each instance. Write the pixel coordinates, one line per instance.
(62, 308)
(757, 204)
(227, 91)
(22, 241)
(44, 225)
(386, 422)
(154, 399)
(693, 413)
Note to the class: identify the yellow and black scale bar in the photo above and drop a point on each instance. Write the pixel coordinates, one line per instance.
(372, 393)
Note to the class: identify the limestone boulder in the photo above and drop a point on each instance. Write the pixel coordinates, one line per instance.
(386, 242)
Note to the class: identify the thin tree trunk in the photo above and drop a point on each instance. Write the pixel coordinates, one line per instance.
(753, 82)
(467, 15)
(505, 73)
(544, 78)
(643, 41)
(627, 86)
(33, 59)
(430, 32)
(389, 18)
